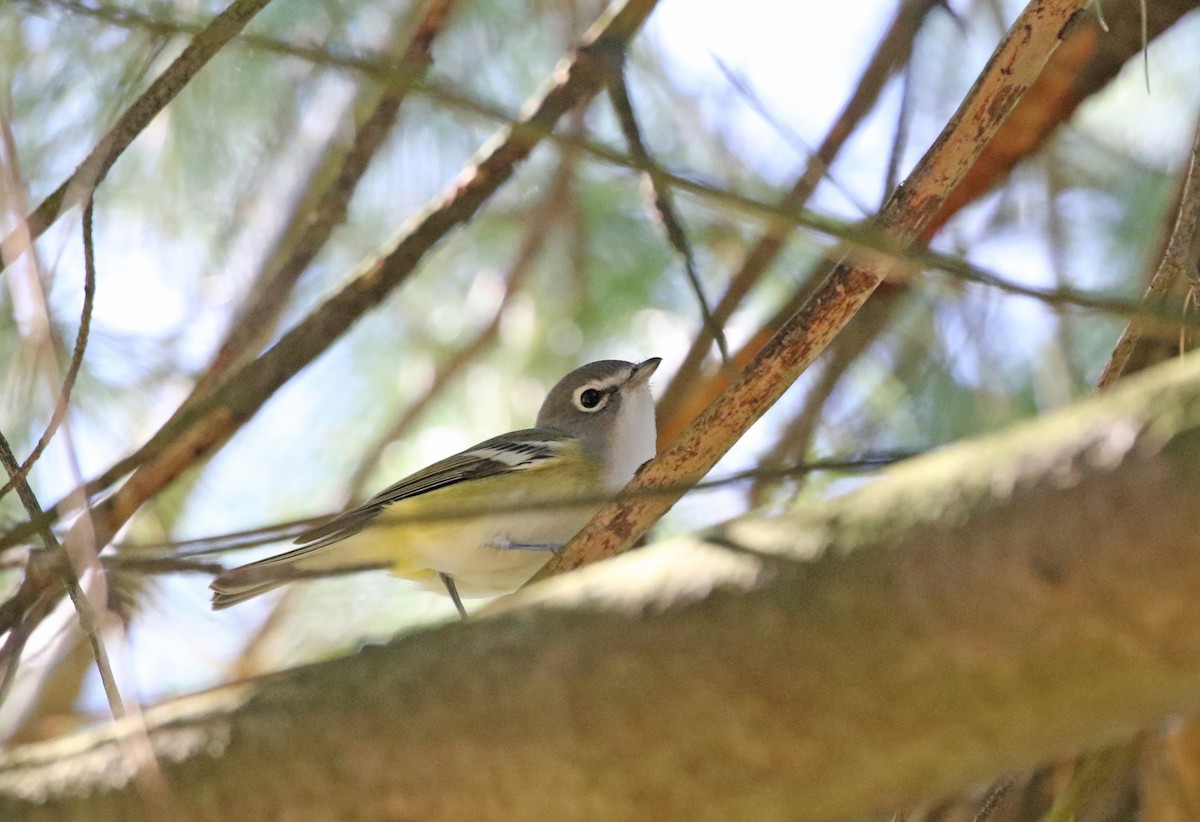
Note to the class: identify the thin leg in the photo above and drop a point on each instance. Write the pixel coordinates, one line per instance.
(508, 545)
(452, 590)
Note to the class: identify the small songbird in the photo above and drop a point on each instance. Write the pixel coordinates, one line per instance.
(482, 522)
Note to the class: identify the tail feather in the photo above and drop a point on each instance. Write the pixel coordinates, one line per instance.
(223, 598)
(240, 584)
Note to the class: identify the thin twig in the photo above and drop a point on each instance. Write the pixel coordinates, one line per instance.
(1013, 67)
(68, 384)
(1163, 316)
(138, 750)
(990, 802)
(18, 635)
(893, 50)
(664, 202)
(70, 579)
(83, 181)
(162, 565)
(45, 601)
(538, 226)
(182, 552)
(900, 137)
(323, 206)
(1176, 269)
(200, 431)
(868, 240)
(742, 86)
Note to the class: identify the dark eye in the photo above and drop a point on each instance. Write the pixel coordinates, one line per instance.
(590, 398)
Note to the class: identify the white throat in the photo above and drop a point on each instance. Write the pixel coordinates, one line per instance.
(635, 440)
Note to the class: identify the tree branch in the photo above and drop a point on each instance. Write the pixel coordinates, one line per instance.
(324, 204)
(865, 240)
(542, 219)
(904, 641)
(1178, 270)
(664, 203)
(1012, 69)
(202, 429)
(52, 558)
(81, 340)
(83, 181)
(893, 50)
(1092, 56)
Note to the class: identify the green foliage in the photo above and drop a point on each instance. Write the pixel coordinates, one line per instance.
(188, 215)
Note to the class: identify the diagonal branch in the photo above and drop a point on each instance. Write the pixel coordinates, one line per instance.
(539, 224)
(1141, 345)
(81, 340)
(1012, 69)
(1178, 270)
(865, 239)
(855, 235)
(1091, 56)
(893, 50)
(83, 181)
(902, 642)
(664, 203)
(200, 431)
(323, 207)
(42, 603)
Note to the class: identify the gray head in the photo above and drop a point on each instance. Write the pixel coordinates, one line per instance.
(608, 407)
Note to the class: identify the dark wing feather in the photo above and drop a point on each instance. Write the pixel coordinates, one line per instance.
(511, 452)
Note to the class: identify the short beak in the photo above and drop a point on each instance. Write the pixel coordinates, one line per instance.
(642, 371)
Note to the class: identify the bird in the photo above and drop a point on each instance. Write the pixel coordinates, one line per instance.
(483, 521)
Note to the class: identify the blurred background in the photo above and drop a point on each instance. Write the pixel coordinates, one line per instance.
(567, 264)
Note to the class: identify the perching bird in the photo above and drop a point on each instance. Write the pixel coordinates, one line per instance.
(483, 521)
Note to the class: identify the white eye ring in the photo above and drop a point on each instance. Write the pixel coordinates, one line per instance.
(590, 399)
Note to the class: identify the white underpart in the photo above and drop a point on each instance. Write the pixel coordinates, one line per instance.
(636, 438)
(478, 558)
(480, 553)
